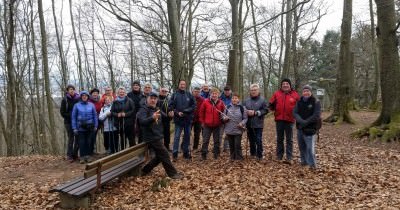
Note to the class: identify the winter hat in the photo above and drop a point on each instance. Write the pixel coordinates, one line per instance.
(286, 80)
(84, 92)
(136, 82)
(70, 86)
(94, 90)
(154, 94)
(307, 87)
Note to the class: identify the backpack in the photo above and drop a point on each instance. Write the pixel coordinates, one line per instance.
(240, 106)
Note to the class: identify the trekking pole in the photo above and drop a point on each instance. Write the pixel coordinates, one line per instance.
(123, 132)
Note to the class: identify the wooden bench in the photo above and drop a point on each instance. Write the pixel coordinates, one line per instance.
(75, 193)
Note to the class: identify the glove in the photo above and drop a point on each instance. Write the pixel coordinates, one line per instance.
(75, 132)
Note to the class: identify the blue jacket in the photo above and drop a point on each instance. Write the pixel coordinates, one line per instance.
(84, 113)
(205, 94)
(182, 101)
(226, 99)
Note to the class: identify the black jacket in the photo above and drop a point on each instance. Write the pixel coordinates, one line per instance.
(136, 97)
(67, 104)
(126, 106)
(150, 129)
(307, 114)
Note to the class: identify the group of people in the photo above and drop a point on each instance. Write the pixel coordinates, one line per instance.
(144, 115)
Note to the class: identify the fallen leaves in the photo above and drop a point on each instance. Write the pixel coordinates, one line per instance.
(352, 174)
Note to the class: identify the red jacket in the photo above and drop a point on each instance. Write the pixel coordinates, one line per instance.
(208, 114)
(199, 102)
(283, 104)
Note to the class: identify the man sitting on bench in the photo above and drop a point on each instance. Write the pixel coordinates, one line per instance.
(151, 127)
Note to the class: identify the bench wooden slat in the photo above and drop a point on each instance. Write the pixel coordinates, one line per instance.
(59, 188)
(110, 164)
(83, 189)
(71, 186)
(115, 156)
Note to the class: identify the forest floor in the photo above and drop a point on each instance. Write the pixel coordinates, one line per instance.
(351, 174)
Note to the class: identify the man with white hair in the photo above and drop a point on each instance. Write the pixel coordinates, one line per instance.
(205, 91)
(256, 110)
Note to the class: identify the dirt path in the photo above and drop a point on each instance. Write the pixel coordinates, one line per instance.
(352, 174)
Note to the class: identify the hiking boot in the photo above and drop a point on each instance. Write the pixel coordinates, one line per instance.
(176, 176)
(289, 162)
(82, 161)
(70, 159)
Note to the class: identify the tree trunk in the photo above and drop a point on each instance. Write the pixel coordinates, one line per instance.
(232, 67)
(80, 72)
(344, 81)
(280, 66)
(388, 62)
(53, 142)
(64, 70)
(43, 142)
(241, 51)
(287, 62)
(259, 55)
(294, 55)
(11, 103)
(176, 43)
(375, 92)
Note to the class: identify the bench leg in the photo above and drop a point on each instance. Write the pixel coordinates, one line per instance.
(136, 171)
(69, 202)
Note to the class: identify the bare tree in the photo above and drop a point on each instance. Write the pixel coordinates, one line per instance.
(344, 81)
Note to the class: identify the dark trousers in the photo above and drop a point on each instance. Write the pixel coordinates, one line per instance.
(73, 143)
(161, 156)
(167, 131)
(111, 140)
(126, 136)
(255, 140)
(196, 133)
(284, 128)
(136, 128)
(85, 142)
(93, 142)
(235, 146)
(207, 131)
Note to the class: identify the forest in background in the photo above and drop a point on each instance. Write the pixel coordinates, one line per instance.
(238, 43)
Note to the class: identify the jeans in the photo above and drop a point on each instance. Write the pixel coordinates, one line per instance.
(235, 146)
(255, 140)
(282, 128)
(186, 140)
(161, 156)
(225, 141)
(85, 143)
(196, 134)
(93, 142)
(73, 143)
(207, 131)
(307, 148)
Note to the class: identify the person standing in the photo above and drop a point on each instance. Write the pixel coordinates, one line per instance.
(226, 97)
(136, 95)
(84, 123)
(235, 123)
(95, 100)
(196, 122)
(162, 104)
(183, 105)
(256, 111)
(307, 113)
(67, 104)
(110, 133)
(108, 91)
(210, 116)
(122, 110)
(147, 89)
(205, 91)
(282, 103)
(151, 126)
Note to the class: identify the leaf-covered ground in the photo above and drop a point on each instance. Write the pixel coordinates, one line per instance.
(352, 174)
